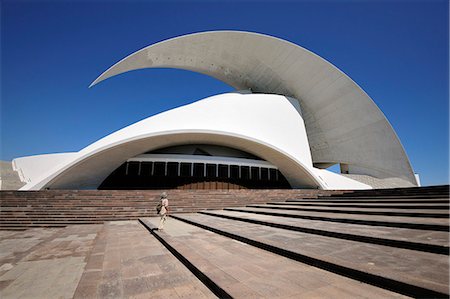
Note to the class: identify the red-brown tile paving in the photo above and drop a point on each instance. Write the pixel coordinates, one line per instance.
(423, 269)
(248, 272)
(115, 260)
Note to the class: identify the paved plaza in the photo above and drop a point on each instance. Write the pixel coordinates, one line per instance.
(392, 246)
(114, 260)
(123, 260)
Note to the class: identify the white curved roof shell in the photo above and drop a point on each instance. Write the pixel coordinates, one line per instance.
(241, 121)
(343, 124)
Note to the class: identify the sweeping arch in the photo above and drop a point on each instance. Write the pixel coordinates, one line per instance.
(343, 124)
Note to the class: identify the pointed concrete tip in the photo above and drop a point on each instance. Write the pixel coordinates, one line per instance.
(100, 78)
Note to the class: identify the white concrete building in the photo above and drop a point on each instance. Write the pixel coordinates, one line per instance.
(293, 115)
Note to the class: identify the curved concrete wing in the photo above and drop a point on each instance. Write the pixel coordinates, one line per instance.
(32, 167)
(343, 124)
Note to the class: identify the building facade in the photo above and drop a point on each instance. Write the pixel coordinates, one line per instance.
(293, 115)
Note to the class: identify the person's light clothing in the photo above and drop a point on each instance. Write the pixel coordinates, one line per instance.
(163, 212)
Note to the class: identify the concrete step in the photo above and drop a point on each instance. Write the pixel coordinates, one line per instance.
(15, 226)
(240, 271)
(382, 201)
(406, 206)
(385, 197)
(386, 221)
(426, 189)
(413, 273)
(389, 195)
(63, 221)
(117, 207)
(67, 219)
(434, 242)
(358, 211)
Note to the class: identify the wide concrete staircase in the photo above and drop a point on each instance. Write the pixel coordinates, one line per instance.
(394, 242)
(52, 208)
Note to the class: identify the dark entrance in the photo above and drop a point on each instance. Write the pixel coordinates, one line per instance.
(181, 175)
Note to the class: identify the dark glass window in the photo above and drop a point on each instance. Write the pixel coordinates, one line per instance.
(199, 170)
(121, 170)
(133, 168)
(211, 170)
(280, 176)
(185, 169)
(146, 168)
(223, 171)
(255, 173)
(160, 168)
(172, 169)
(245, 172)
(273, 174)
(264, 174)
(234, 171)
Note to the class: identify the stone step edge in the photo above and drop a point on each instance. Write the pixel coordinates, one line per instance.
(410, 206)
(437, 249)
(352, 212)
(421, 226)
(362, 198)
(394, 193)
(377, 201)
(372, 279)
(208, 282)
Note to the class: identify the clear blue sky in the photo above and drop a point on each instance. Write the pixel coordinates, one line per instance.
(397, 51)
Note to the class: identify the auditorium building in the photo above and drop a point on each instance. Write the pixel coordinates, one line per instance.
(292, 116)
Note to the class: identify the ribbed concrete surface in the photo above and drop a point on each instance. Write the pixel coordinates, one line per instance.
(9, 179)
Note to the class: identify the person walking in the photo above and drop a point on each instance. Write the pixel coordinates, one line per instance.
(164, 210)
